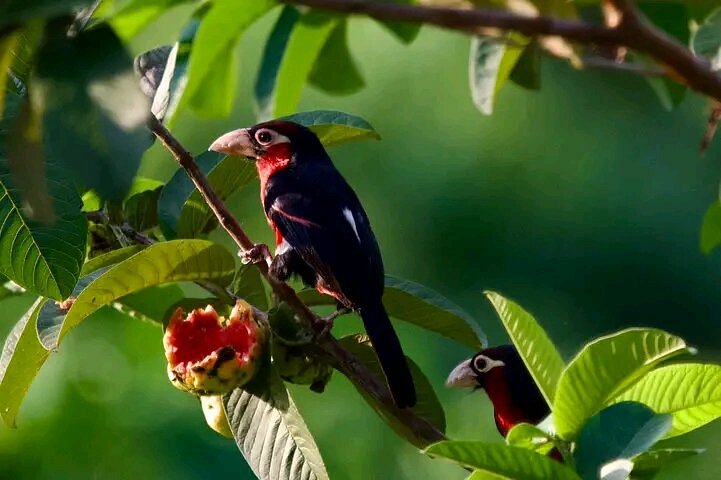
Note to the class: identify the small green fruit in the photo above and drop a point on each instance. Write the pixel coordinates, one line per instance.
(295, 366)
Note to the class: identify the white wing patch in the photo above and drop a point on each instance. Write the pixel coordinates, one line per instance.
(283, 248)
(349, 216)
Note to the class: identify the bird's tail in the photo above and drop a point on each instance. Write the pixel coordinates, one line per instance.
(390, 354)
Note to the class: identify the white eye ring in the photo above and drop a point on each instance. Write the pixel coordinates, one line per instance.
(484, 364)
(264, 136)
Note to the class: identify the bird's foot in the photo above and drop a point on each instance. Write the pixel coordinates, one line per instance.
(256, 254)
(325, 324)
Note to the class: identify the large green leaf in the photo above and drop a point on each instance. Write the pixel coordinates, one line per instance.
(620, 431)
(110, 258)
(711, 228)
(166, 262)
(648, 464)
(212, 62)
(93, 110)
(603, 369)
(271, 433)
(421, 306)
(22, 357)
(41, 256)
(490, 64)
(306, 41)
(706, 40)
(335, 71)
(508, 462)
(18, 11)
(181, 210)
(270, 63)
(333, 127)
(691, 392)
(537, 350)
(427, 405)
(530, 437)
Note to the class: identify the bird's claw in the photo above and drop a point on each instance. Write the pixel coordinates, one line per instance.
(256, 254)
(325, 324)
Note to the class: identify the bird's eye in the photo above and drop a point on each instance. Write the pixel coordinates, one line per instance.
(264, 137)
(481, 364)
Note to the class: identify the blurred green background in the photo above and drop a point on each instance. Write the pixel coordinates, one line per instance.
(582, 202)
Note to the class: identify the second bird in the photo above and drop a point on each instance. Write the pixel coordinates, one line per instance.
(322, 232)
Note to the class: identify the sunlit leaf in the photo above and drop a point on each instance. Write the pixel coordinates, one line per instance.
(503, 460)
(536, 349)
(306, 41)
(93, 110)
(691, 392)
(182, 213)
(166, 262)
(335, 71)
(110, 258)
(271, 433)
(211, 60)
(421, 306)
(270, 63)
(603, 369)
(427, 406)
(530, 437)
(620, 431)
(22, 357)
(333, 127)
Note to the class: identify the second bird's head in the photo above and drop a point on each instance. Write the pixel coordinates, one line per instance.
(274, 139)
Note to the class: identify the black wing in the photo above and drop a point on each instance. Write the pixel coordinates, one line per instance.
(332, 235)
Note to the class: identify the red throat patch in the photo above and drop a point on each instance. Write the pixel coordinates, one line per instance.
(507, 413)
(276, 158)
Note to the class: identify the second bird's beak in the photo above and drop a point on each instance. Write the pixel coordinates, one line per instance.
(237, 143)
(462, 376)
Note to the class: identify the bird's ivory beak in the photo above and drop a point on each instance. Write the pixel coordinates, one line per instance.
(462, 376)
(237, 143)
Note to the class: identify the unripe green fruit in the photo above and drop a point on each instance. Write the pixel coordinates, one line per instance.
(295, 366)
(208, 354)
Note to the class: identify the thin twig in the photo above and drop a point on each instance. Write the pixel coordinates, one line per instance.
(634, 32)
(336, 354)
(635, 68)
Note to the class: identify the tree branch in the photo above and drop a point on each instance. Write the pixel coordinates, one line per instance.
(634, 31)
(340, 358)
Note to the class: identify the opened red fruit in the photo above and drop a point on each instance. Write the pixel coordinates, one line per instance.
(208, 354)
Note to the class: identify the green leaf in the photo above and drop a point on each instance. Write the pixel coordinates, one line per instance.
(93, 111)
(272, 57)
(271, 433)
(212, 61)
(110, 258)
(499, 459)
(530, 437)
(135, 15)
(22, 357)
(711, 228)
(248, 284)
(427, 406)
(335, 71)
(527, 71)
(648, 464)
(18, 11)
(491, 62)
(406, 32)
(537, 350)
(166, 262)
(182, 212)
(421, 306)
(141, 210)
(306, 41)
(44, 257)
(603, 369)
(620, 431)
(152, 303)
(706, 40)
(691, 392)
(333, 128)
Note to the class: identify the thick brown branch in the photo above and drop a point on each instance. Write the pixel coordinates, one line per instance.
(634, 31)
(338, 356)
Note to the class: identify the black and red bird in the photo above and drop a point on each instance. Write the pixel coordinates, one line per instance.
(500, 371)
(322, 232)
